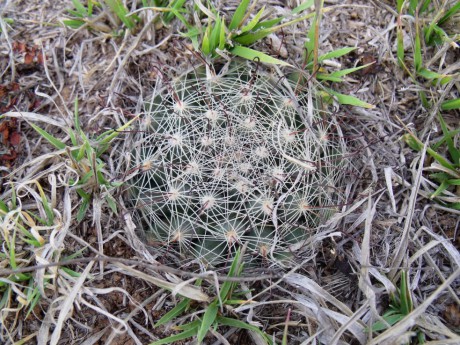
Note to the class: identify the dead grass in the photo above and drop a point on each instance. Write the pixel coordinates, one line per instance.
(387, 225)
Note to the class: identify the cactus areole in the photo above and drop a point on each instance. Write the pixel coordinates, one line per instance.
(241, 156)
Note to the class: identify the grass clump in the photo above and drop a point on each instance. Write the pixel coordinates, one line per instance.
(106, 16)
(213, 314)
(435, 25)
(31, 234)
(434, 31)
(445, 168)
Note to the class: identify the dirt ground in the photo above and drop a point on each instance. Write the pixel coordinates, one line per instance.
(333, 295)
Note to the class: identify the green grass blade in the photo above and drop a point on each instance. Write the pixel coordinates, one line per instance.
(184, 335)
(310, 44)
(46, 205)
(454, 152)
(3, 208)
(81, 9)
(430, 75)
(424, 6)
(399, 5)
(76, 14)
(400, 44)
(239, 15)
(181, 18)
(105, 138)
(233, 272)
(205, 44)
(215, 34)
(440, 176)
(82, 210)
(444, 185)
(176, 7)
(33, 297)
(417, 49)
(412, 7)
(413, 142)
(253, 36)
(73, 23)
(405, 294)
(284, 341)
(451, 104)
(249, 38)
(328, 77)
(77, 119)
(121, 12)
(90, 8)
(254, 21)
(452, 11)
(188, 326)
(454, 206)
(336, 53)
(303, 6)
(451, 134)
(52, 140)
(176, 311)
(251, 54)
(391, 320)
(112, 204)
(417, 145)
(346, 71)
(222, 41)
(208, 319)
(266, 24)
(432, 27)
(225, 321)
(349, 100)
(441, 160)
(425, 102)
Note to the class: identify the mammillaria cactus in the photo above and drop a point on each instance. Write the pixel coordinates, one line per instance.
(238, 157)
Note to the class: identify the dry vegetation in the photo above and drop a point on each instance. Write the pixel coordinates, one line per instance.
(80, 275)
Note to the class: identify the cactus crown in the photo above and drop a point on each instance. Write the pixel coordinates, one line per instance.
(234, 158)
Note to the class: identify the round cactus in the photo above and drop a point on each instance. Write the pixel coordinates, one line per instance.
(234, 158)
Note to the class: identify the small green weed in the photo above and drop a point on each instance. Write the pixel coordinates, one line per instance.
(446, 171)
(213, 316)
(432, 27)
(431, 21)
(24, 235)
(170, 9)
(220, 38)
(6, 21)
(401, 305)
(94, 15)
(85, 156)
(314, 62)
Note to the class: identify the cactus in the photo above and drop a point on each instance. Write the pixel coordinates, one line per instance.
(234, 158)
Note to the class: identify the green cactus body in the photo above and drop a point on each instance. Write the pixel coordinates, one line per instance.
(235, 158)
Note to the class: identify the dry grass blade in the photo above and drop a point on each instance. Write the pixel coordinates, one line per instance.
(402, 246)
(347, 323)
(186, 291)
(352, 325)
(308, 286)
(388, 173)
(67, 304)
(34, 117)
